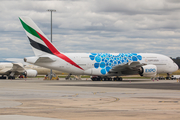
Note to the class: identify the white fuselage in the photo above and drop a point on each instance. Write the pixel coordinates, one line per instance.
(93, 63)
(5, 67)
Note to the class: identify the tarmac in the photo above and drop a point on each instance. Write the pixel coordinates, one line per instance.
(130, 99)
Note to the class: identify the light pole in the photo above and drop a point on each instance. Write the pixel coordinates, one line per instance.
(51, 10)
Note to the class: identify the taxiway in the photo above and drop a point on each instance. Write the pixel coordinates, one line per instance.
(86, 100)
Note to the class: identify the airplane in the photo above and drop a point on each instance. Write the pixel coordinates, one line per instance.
(103, 65)
(40, 70)
(11, 70)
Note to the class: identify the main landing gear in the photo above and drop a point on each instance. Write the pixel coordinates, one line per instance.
(99, 78)
(9, 77)
(3, 77)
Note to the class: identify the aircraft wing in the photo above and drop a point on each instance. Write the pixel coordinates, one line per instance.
(126, 69)
(17, 67)
(5, 70)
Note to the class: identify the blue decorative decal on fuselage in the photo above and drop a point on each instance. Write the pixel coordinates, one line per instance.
(106, 61)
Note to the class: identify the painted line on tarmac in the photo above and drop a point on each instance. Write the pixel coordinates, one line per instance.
(97, 92)
(168, 101)
(76, 95)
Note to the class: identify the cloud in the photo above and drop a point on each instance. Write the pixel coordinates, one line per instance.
(94, 26)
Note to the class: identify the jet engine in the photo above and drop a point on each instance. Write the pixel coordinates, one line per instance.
(31, 73)
(148, 71)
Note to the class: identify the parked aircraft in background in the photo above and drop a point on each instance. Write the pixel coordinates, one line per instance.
(40, 70)
(11, 70)
(94, 64)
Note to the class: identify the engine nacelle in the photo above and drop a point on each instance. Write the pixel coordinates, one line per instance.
(148, 71)
(31, 73)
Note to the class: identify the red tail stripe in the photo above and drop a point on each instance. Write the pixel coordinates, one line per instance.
(57, 53)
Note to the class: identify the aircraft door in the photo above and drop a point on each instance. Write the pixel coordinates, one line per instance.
(78, 58)
(88, 65)
(67, 65)
(88, 71)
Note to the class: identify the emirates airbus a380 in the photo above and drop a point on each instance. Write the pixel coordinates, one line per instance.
(94, 64)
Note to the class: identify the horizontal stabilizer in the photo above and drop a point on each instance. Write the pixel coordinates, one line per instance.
(44, 59)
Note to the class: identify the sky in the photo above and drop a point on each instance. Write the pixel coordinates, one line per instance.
(113, 26)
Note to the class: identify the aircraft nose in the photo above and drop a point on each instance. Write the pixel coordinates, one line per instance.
(175, 67)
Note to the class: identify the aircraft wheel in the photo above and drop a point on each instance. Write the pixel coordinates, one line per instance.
(99, 79)
(109, 79)
(2, 77)
(105, 79)
(94, 79)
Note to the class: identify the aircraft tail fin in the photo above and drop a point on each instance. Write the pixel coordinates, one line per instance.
(39, 42)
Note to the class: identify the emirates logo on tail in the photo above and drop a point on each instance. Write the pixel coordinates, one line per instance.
(40, 42)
